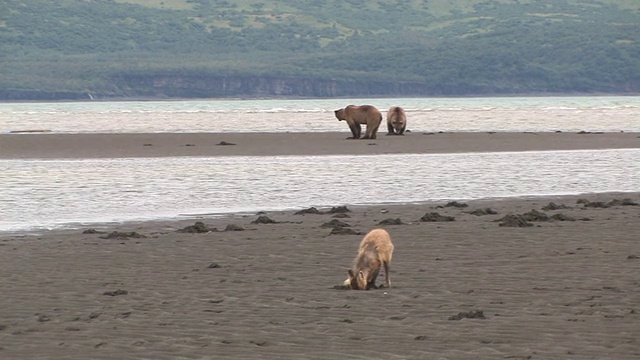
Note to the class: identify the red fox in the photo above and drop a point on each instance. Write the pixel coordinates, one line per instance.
(375, 251)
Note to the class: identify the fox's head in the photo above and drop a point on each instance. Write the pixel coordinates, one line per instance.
(357, 281)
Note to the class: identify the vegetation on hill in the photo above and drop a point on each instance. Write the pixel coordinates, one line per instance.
(207, 48)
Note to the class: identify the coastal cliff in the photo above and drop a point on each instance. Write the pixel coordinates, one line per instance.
(220, 86)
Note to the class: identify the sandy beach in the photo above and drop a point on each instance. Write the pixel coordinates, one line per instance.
(50, 145)
(551, 277)
(468, 288)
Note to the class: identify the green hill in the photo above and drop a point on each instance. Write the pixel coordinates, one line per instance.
(67, 49)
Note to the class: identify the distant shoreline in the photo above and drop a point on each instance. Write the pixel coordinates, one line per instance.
(231, 98)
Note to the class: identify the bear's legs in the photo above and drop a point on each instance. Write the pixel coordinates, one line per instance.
(390, 129)
(404, 127)
(371, 131)
(356, 129)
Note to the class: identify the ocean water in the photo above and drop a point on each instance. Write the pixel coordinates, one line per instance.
(611, 113)
(43, 194)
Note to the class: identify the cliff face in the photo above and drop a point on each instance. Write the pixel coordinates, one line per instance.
(255, 86)
(42, 95)
(194, 86)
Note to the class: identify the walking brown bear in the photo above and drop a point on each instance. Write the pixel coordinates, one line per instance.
(355, 116)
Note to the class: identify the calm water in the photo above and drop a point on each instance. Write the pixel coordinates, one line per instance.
(49, 193)
(46, 194)
(612, 113)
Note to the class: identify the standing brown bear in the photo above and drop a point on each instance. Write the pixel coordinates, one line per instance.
(396, 121)
(360, 115)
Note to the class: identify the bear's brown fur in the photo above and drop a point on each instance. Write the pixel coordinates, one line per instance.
(396, 121)
(375, 251)
(360, 115)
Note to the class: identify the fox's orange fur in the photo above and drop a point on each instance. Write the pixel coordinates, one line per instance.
(375, 251)
(360, 115)
(396, 121)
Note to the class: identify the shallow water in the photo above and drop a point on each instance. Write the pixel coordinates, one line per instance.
(606, 113)
(51, 193)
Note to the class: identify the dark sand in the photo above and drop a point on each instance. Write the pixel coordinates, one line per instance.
(48, 145)
(555, 290)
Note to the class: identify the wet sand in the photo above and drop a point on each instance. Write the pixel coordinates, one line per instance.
(462, 289)
(50, 145)
(567, 288)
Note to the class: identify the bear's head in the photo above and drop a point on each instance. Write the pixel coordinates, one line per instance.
(339, 114)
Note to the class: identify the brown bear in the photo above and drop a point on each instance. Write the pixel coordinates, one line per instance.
(375, 251)
(360, 115)
(396, 121)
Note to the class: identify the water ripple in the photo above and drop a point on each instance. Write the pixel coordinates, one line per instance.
(50, 193)
(602, 113)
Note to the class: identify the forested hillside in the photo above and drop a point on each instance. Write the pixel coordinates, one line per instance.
(75, 49)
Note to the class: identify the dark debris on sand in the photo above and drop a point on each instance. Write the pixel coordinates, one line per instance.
(604, 205)
(342, 287)
(344, 231)
(396, 221)
(523, 220)
(92, 231)
(453, 204)
(512, 220)
(623, 202)
(593, 204)
(435, 217)
(341, 216)
(198, 228)
(233, 227)
(224, 143)
(535, 215)
(474, 314)
(263, 219)
(338, 209)
(116, 292)
(123, 235)
(311, 210)
(481, 212)
(335, 224)
(554, 206)
(561, 217)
